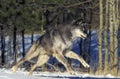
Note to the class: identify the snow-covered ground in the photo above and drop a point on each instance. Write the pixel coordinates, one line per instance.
(7, 74)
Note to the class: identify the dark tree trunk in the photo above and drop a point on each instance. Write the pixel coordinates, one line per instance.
(23, 42)
(14, 45)
(2, 47)
(32, 37)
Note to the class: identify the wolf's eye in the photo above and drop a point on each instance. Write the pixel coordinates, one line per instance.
(83, 29)
(79, 23)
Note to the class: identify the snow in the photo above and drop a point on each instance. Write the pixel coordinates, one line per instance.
(7, 74)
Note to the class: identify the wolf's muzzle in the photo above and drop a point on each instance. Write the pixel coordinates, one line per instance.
(84, 36)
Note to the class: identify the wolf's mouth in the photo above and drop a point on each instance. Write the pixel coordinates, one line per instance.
(83, 36)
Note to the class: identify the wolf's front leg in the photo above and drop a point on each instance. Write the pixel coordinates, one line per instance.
(73, 55)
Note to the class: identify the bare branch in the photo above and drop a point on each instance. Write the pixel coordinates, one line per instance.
(68, 6)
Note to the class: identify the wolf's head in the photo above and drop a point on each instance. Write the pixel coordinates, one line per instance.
(79, 29)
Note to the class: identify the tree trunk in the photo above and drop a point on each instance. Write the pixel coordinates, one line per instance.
(106, 66)
(23, 42)
(14, 45)
(99, 71)
(116, 25)
(2, 46)
(42, 21)
(111, 34)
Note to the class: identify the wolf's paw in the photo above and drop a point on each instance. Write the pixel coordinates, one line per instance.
(72, 72)
(14, 69)
(30, 73)
(87, 66)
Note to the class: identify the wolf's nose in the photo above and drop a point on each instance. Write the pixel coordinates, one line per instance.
(85, 35)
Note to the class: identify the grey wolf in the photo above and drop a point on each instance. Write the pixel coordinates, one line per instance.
(56, 42)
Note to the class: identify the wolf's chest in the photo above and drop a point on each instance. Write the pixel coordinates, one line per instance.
(63, 46)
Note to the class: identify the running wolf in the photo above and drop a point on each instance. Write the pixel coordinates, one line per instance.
(57, 43)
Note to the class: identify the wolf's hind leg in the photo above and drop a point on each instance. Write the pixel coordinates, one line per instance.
(62, 60)
(73, 55)
(33, 52)
(42, 59)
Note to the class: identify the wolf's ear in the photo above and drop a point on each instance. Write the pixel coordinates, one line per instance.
(77, 22)
(73, 22)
